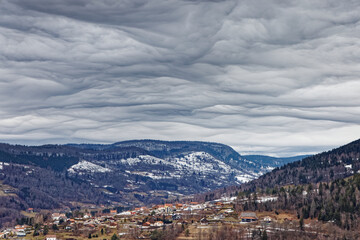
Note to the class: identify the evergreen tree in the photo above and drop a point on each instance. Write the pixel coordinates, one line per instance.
(115, 237)
(301, 223)
(264, 235)
(46, 230)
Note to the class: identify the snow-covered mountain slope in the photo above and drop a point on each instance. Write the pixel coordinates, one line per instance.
(185, 173)
(199, 163)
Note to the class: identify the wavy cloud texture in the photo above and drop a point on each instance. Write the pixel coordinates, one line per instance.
(263, 76)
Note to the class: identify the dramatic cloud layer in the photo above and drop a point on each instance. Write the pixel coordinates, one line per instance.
(262, 76)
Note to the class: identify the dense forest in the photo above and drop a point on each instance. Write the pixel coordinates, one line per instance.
(41, 188)
(337, 201)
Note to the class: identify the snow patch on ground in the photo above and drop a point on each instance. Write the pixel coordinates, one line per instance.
(144, 159)
(85, 166)
(268, 168)
(244, 178)
(225, 199)
(200, 162)
(152, 175)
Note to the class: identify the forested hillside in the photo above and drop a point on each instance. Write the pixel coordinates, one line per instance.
(39, 188)
(338, 163)
(337, 201)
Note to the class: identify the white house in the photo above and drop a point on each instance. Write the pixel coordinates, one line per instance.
(50, 237)
(159, 224)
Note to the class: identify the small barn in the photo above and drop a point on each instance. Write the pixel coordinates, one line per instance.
(247, 217)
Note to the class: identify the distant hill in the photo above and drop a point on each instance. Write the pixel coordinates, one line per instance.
(273, 162)
(168, 149)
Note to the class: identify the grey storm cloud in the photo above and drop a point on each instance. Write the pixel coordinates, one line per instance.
(275, 77)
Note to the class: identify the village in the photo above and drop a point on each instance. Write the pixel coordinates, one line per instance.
(191, 220)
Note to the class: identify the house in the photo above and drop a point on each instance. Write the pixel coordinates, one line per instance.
(113, 225)
(113, 212)
(50, 237)
(267, 219)
(30, 210)
(9, 191)
(146, 225)
(21, 233)
(229, 210)
(58, 216)
(247, 217)
(19, 227)
(176, 216)
(187, 209)
(178, 205)
(159, 224)
(168, 209)
(204, 221)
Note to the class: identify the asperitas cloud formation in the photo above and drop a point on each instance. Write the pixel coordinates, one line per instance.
(267, 76)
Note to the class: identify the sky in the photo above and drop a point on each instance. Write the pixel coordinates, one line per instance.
(265, 76)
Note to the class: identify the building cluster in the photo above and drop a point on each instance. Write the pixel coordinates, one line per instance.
(17, 231)
(92, 222)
